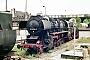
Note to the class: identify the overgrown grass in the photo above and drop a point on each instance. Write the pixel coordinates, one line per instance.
(30, 57)
(84, 40)
(33, 55)
(24, 53)
(67, 49)
(19, 51)
(50, 51)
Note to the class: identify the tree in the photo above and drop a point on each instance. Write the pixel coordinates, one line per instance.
(87, 21)
(78, 20)
(86, 15)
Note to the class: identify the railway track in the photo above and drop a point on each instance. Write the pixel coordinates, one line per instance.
(10, 56)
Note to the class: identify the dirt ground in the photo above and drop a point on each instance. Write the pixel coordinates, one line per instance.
(55, 55)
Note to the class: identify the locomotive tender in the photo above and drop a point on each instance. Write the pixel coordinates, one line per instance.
(45, 33)
(7, 35)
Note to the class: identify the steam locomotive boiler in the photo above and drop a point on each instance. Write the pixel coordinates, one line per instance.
(45, 33)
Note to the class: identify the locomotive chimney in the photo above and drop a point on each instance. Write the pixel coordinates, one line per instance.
(13, 12)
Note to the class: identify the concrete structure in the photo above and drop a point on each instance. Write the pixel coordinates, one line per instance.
(21, 34)
(84, 32)
(81, 53)
(19, 14)
(70, 16)
(19, 17)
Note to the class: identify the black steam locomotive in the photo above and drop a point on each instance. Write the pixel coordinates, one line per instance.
(45, 33)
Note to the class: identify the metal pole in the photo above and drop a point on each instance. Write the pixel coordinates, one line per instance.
(74, 33)
(6, 5)
(65, 13)
(45, 10)
(26, 10)
(26, 6)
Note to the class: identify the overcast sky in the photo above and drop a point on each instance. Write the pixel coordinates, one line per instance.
(53, 7)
